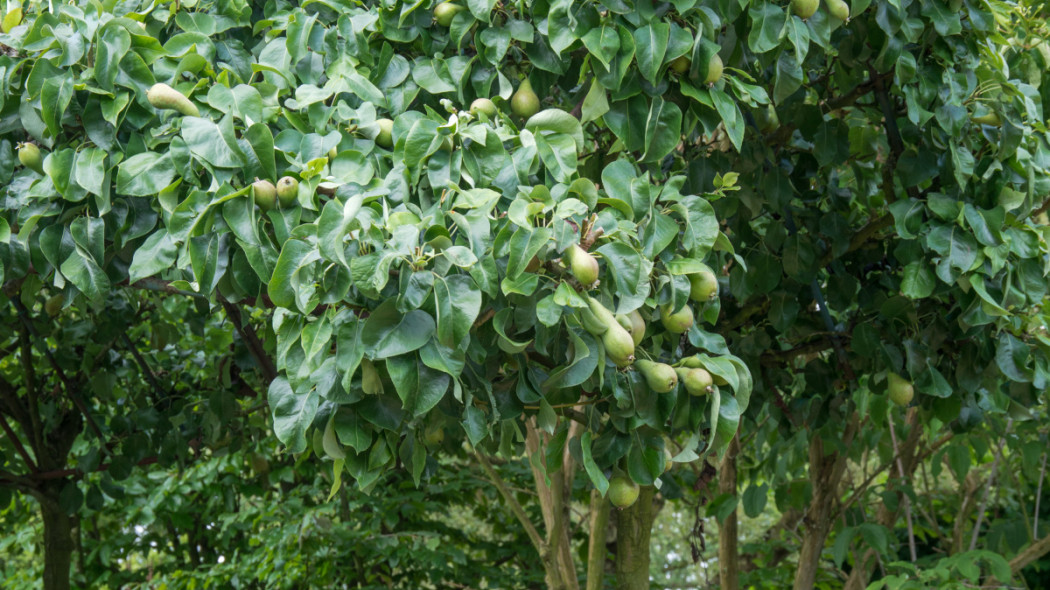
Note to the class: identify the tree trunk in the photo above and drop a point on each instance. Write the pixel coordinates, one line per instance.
(559, 564)
(825, 473)
(58, 544)
(633, 527)
(596, 549)
(728, 558)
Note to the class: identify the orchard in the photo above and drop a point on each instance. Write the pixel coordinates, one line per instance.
(538, 294)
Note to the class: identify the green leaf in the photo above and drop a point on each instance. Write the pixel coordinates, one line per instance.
(388, 333)
(419, 387)
(86, 276)
(291, 284)
(292, 413)
(557, 121)
(651, 43)
(144, 174)
(601, 483)
(155, 255)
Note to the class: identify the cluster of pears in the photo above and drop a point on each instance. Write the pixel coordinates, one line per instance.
(621, 334)
(267, 196)
(807, 8)
(715, 67)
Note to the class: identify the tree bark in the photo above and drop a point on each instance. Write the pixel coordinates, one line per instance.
(728, 556)
(58, 543)
(825, 473)
(561, 569)
(596, 547)
(633, 528)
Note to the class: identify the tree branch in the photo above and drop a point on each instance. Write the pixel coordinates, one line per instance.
(515, 506)
(147, 373)
(17, 443)
(988, 486)
(251, 340)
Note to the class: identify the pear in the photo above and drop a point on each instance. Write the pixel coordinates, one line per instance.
(384, 138)
(583, 266)
(30, 157)
(899, 389)
(692, 362)
(990, 118)
(265, 194)
(287, 191)
(804, 8)
(445, 12)
(676, 322)
(703, 286)
(591, 323)
(838, 9)
(633, 323)
(660, 377)
(680, 65)
(434, 435)
(483, 105)
(53, 305)
(525, 103)
(371, 384)
(162, 96)
(619, 345)
(714, 70)
(696, 381)
(623, 492)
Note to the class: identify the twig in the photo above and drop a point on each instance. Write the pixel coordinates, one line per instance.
(1038, 495)
(988, 486)
(71, 389)
(17, 443)
(515, 506)
(907, 500)
(146, 371)
(251, 340)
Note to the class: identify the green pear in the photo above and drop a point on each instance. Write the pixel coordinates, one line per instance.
(838, 9)
(265, 194)
(330, 442)
(696, 381)
(287, 191)
(371, 383)
(714, 70)
(804, 8)
(525, 103)
(703, 286)
(30, 157)
(680, 65)
(899, 389)
(162, 96)
(483, 105)
(582, 264)
(384, 139)
(591, 323)
(990, 118)
(53, 305)
(445, 12)
(633, 323)
(622, 491)
(660, 377)
(619, 345)
(676, 322)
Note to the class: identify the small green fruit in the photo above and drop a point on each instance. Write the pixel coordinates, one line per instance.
(525, 103)
(371, 383)
(30, 157)
(386, 128)
(162, 96)
(483, 105)
(899, 389)
(434, 435)
(332, 153)
(445, 12)
(619, 345)
(990, 118)
(582, 264)
(680, 65)
(660, 377)
(287, 191)
(265, 194)
(623, 492)
(633, 323)
(703, 286)
(804, 8)
(676, 322)
(838, 9)
(53, 305)
(591, 323)
(714, 70)
(696, 381)
(692, 362)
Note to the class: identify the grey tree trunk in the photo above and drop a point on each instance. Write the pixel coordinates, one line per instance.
(633, 528)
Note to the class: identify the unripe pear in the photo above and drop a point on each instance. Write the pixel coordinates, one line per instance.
(696, 381)
(680, 65)
(162, 96)
(287, 191)
(265, 194)
(714, 70)
(384, 139)
(990, 118)
(622, 491)
(619, 346)
(838, 9)
(434, 435)
(591, 323)
(804, 8)
(660, 377)
(676, 322)
(371, 383)
(525, 103)
(53, 305)
(633, 323)
(445, 12)
(703, 286)
(483, 105)
(583, 266)
(30, 157)
(899, 389)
